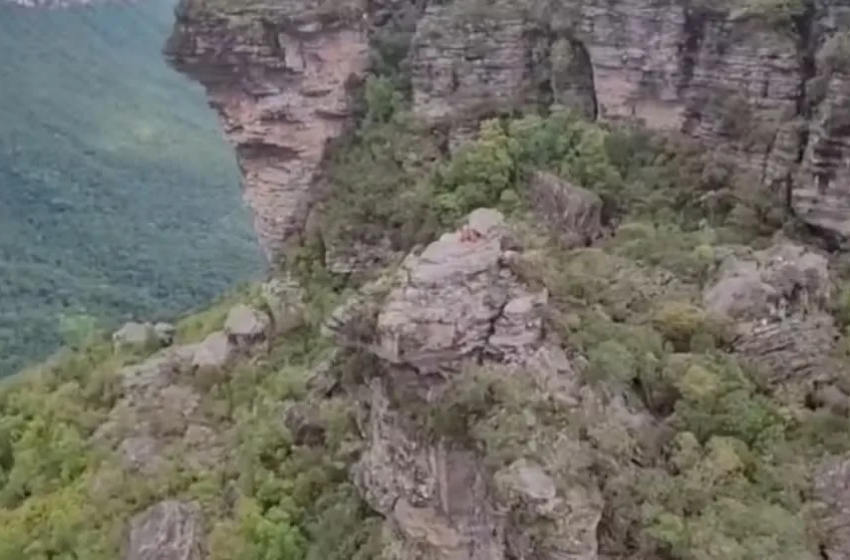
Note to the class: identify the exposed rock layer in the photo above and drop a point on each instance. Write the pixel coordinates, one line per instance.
(457, 305)
(768, 90)
(278, 77)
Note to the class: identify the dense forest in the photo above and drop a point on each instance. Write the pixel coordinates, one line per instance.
(118, 196)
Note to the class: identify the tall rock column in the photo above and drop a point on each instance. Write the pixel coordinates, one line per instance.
(277, 74)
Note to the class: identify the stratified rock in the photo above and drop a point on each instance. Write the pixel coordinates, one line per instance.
(452, 295)
(455, 305)
(777, 299)
(169, 530)
(770, 284)
(278, 75)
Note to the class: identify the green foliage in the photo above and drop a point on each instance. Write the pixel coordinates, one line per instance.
(273, 499)
(477, 176)
(120, 198)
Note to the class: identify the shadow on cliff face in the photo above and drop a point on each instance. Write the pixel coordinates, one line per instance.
(567, 75)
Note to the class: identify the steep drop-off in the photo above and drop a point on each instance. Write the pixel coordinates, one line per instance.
(119, 198)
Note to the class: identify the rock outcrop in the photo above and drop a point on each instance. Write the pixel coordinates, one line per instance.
(453, 307)
(157, 410)
(766, 86)
(777, 300)
(278, 75)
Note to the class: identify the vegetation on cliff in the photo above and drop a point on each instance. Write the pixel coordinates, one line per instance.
(729, 480)
(120, 199)
(726, 474)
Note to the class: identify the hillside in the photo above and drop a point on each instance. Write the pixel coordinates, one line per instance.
(526, 307)
(119, 198)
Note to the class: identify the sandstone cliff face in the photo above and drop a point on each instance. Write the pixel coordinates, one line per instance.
(767, 89)
(277, 74)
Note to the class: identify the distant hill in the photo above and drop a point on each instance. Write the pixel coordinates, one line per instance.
(118, 196)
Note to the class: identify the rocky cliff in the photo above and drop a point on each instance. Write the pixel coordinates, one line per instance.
(618, 364)
(765, 84)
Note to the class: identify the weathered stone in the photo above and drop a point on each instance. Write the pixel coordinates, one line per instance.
(215, 352)
(247, 326)
(452, 306)
(169, 530)
(770, 284)
(134, 336)
(575, 514)
(777, 300)
(285, 300)
(164, 333)
(278, 76)
(832, 488)
(574, 214)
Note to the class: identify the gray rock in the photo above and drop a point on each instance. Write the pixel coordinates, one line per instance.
(134, 336)
(770, 284)
(453, 306)
(247, 326)
(169, 530)
(574, 515)
(164, 333)
(832, 489)
(285, 301)
(776, 299)
(215, 352)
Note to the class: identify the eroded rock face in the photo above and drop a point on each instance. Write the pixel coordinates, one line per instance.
(768, 94)
(277, 74)
(777, 300)
(453, 306)
(772, 101)
(169, 530)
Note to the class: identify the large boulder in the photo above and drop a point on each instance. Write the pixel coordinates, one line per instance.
(247, 326)
(574, 214)
(133, 336)
(770, 284)
(214, 353)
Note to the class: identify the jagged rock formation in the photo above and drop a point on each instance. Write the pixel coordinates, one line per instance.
(458, 305)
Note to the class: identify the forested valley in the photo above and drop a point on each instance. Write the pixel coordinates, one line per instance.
(119, 198)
